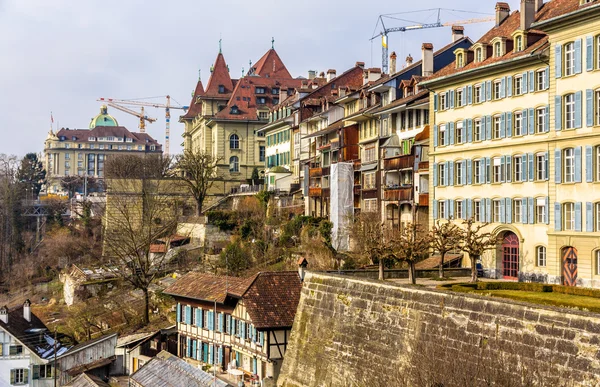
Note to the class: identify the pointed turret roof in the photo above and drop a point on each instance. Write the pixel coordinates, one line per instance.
(196, 103)
(219, 77)
(271, 66)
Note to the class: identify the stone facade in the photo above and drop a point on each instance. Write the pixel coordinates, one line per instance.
(358, 332)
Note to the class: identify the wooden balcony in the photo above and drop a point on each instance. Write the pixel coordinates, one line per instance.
(318, 192)
(399, 162)
(424, 166)
(357, 165)
(402, 194)
(370, 193)
(424, 200)
(318, 172)
(357, 189)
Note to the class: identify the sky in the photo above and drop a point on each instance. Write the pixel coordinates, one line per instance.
(60, 56)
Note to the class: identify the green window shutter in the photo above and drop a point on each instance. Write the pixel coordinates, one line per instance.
(12, 376)
(36, 372)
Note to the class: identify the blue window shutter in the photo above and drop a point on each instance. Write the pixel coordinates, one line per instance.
(531, 169)
(524, 165)
(198, 317)
(531, 81)
(547, 77)
(589, 167)
(179, 312)
(435, 175)
(435, 102)
(508, 208)
(469, 95)
(589, 107)
(469, 171)
(547, 209)
(488, 210)
(589, 217)
(488, 127)
(531, 121)
(222, 327)
(508, 171)
(188, 315)
(464, 96)
(578, 216)
(220, 355)
(578, 164)
(509, 85)
(547, 160)
(451, 99)
(509, 124)
(469, 126)
(531, 215)
(435, 135)
(557, 112)
(482, 210)
(503, 87)
(589, 53)
(578, 112)
(450, 173)
(451, 132)
(469, 210)
(557, 166)
(435, 209)
(488, 175)
(194, 349)
(502, 211)
(503, 166)
(524, 122)
(483, 93)
(188, 347)
(502, 125)
(524, 82)
(558, 61)
(450, 207)
(557, 220)
(547, 120)
(244, 330)
(578, 56)
(488, 90)
(524, 211)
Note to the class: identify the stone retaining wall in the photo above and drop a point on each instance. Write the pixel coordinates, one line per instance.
(360, 332)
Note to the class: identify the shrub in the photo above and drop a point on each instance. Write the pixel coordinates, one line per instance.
(225, 221)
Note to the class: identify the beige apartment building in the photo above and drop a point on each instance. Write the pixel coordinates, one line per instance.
(516, 139)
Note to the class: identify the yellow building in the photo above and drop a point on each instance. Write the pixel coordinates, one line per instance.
(515, 141)
(84, 151)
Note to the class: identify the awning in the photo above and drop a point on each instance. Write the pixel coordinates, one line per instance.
(368, 167)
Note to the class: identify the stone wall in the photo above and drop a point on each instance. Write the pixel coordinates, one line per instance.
(403, 273)
(360, 332)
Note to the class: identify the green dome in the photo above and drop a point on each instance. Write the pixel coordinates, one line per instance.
(103, 119)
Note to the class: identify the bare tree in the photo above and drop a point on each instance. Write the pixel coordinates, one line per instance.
(445, 237)
(369, 239)
(410, 245)
(11, 221)
(475, 241)
(198, 171)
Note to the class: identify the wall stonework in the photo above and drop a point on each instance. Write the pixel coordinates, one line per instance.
(359, 332)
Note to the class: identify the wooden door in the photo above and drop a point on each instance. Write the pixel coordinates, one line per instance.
(569, 266)
(135, 364)
(510, 256)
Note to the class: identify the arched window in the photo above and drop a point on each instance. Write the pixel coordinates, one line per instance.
(459, 60)
(234, 164)
(597, 261)
(518, 43)
(540, 256)
(234, 141)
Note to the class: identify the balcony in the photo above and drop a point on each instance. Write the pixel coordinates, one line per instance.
(401, 194)
(318, 192)
(399, 162)
(356, 164)
(369, 193)
(424, 166)
(318, 172)
(424, 200)
(357, 189)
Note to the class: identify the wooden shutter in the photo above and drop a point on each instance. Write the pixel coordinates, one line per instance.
(450, 133)
(531, 120)
(509, 85)
(435, 175)
(508, 208)
(557, 60)
(557, 112)
(578, 56)
(488, 127)
(435, 102)
(470, 95)
(509, 119)
(578, 164)
(578, 216)
(488, 210)
(531, 81)
(589, 53)
(178, 312)
(547, 120)
(589, 107)
(503, 87)
(578, 110)
(557, 220)
(488, 90)
(589, 217)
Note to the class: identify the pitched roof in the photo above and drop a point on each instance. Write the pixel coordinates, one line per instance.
(82, 135)
(403, 101)
(219, 77)
(557, 8)
(208, 287)
(271, 65)
(196, 103)
(89, 343)
(272, 299)
(85, 380)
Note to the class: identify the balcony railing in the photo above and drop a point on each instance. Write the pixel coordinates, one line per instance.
(424, 166)
(318, 172)
(403, 194)
(424, 200)
(399, 162)
(318, 192)
(357, 189)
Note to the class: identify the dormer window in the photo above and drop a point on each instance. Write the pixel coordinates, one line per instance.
(234, 110)
(275, 91)
(479, 55)
(91, 138)
(221, 89)
(497, 49)
(460, 62)
(518, 43)
(261, 100)
(260, 90)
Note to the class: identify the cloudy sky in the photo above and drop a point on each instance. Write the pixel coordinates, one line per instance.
(62, 55)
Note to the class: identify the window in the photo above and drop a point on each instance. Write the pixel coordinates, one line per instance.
(275, 91)
(497, 124)
(477, 168)
(45, 371)
(260, 90)
(597, 253)
(597, 119)
(369, 180)
(518, 124)
(569, 58)
(569, 111)
(569, 216)
(442, 173)
(442, 209)
(598, 52)
(478, 55)
(518, 168)
(67, 145)
(459, 60)
(498, 170)
(234, 110)
(443, 102)
(540, 120)
(261, 100)
(460, 132)
(496, 210)
(234, 164)
(497, 49)
(497, 88)
(459, 97)
(477, 134)
(459, 211)
(460, 177)
(153, 344)
(540, 210)
(261, 151)
(597, 217)
(478, 94)
(517, 210)
(540, 167)
(369, 154)
(19, 376)
(518, 43)
(221, 89)
(234, 141)
(540, 80)
(442, 135)
(569, 165)
(518, 85)
(15, 350)
(540, 256)
(67, 156)
(477, 210)
(370, 205)
(598, 163)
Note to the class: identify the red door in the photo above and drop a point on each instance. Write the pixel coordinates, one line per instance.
(510, 256)
(569, 266)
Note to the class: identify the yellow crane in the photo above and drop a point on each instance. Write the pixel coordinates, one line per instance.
(141, 115)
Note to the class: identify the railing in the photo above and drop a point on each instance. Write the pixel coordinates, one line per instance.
(424, 166)
(318, 172)
(357, 189)
(317, 192)
(247, 189)
(399, 162)
(403, 194)
(424, 199)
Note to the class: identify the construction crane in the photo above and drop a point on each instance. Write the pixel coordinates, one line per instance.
(143, 117)
(417, 26)
(139, 102)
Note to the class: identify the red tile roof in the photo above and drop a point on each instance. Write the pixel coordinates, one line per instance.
(196, 103)
(556, 8)
(209, 287)
(158, 248)
(82, 135)
(219, 77)
(270, 65)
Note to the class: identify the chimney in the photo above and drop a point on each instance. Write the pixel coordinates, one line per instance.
(393, 57)
(322, 74)
(371, 75)
(409, 60)
(312, 74)
(302, 263)
(360, 64)
(538, 4)
(4, 314)
(27, 310)
(427, 63)
(330, 74)
(527, 13)
(458, 32)
(502, 12)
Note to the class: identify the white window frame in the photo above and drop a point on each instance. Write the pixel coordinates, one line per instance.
(477, 210)
(459, 210)
(568, 212)
(518, 124)
(597, 105)
(540, 256)
(540, 210)
(443, 102)
(477, 177)
(540, 167)
(517, 210)
(458, 172)
(442, 174)
(443, 211)
(518, 168)
(460, 133)
(597, 166)
(540, 120)
(569, 59)
(477, 134)
(496, 126)
(597, 253)
(442, 135)
(497, 86)
(477, 89)
(569, 102)
(597, 217)
(540, 80)
(569, 165)
(458, 96)
(497, 170)
(518, 85)
(496, 210)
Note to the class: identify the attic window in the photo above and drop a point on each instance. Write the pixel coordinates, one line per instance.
(518, 43)
(497, 49)
(479, 55)
(275, 91)
(260, 90)
(261, 100)
(234, 110)
(221, 89)
(460, 61)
